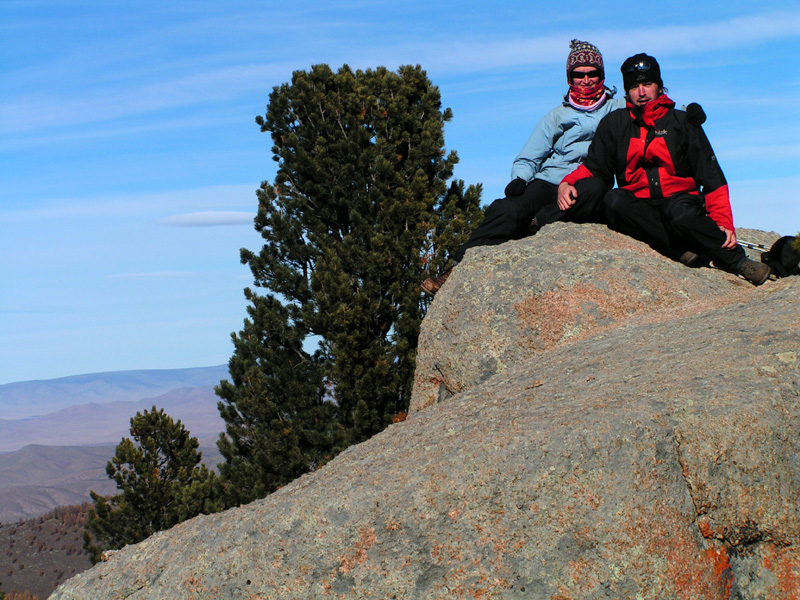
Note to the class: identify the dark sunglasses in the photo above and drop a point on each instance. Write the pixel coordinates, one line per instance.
(582, 75)
(642, 65)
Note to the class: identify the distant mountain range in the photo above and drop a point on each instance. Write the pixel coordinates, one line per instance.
(57, 435)
(34, 398)
(93, 424)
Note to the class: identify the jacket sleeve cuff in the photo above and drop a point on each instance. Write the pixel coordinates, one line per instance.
(580, 173)
(718, 206)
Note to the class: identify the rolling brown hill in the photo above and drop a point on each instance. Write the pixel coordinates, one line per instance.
(37, 479)
(38, 554)
(107, 423)
(54, 458)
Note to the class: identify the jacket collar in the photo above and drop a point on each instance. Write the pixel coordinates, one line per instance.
(652, 111)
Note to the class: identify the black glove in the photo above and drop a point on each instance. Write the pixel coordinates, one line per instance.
(516, 187)
(695, 114)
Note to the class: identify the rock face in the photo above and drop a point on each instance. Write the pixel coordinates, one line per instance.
(651, 453)
(500, 308)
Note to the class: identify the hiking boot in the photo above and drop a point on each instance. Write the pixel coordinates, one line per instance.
(432, 285)
(755, 272)
(693, 260)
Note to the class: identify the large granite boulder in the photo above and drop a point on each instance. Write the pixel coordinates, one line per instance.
(568, 281)
(654, 455)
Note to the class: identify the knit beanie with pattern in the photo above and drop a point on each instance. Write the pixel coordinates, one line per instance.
(584, 54)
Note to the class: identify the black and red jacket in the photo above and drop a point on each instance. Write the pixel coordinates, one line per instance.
(657, 153)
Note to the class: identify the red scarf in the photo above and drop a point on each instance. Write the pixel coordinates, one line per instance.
(586, 96)
(652, 111)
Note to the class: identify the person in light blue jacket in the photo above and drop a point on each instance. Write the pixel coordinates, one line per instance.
(556, 147)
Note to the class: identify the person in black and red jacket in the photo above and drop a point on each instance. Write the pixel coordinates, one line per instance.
(671, 191)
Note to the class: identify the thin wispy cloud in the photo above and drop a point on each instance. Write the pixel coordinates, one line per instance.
(788, 150)
(677, 40)
(149, 206)
(117, 129)
(44, 112)
(135, 93)
(208, 219)
(672, 40)
(154, 275)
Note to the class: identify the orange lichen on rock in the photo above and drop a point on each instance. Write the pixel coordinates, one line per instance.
(786, 569)
(704, 524)
(358, 555)
(392, 525)
(722, 567)
(580, 307)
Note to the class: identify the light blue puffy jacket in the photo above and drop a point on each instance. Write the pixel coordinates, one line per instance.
(560, 141)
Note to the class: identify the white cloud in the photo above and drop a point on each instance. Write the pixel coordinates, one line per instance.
(208, 219)
(614, 43)
(153, 275)
(212, 198)
(53, 109)
(686, 39)
(134, 92)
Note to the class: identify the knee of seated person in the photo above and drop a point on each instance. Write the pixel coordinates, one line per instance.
(684, 211)
(503, 208)
(500, 205)
(590, 185)
(616, 200)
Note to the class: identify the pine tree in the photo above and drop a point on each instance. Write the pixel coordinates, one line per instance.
(279, 423)
(162, 483)
(358, 215)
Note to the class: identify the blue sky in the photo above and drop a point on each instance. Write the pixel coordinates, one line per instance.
(130, 156)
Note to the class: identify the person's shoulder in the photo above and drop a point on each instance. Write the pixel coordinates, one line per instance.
(562, 108)
(616, 103)
(619, 113)
(678, 117)
(614, 122)
(558, 113)
(609, 106)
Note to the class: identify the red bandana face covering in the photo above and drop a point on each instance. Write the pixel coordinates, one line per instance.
(586, 96)
(652, 111)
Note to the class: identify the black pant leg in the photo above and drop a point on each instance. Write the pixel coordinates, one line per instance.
(508, 218)
(587, 207)
(687, 221)
(638, 218)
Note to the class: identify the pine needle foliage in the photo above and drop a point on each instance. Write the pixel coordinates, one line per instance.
(162, 483)
(279, 424)
(359, 213)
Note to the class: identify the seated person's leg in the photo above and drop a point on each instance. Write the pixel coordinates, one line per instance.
(588, 205)
(635, 217)
(686, 219)
(508, 218)
(587, 208)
